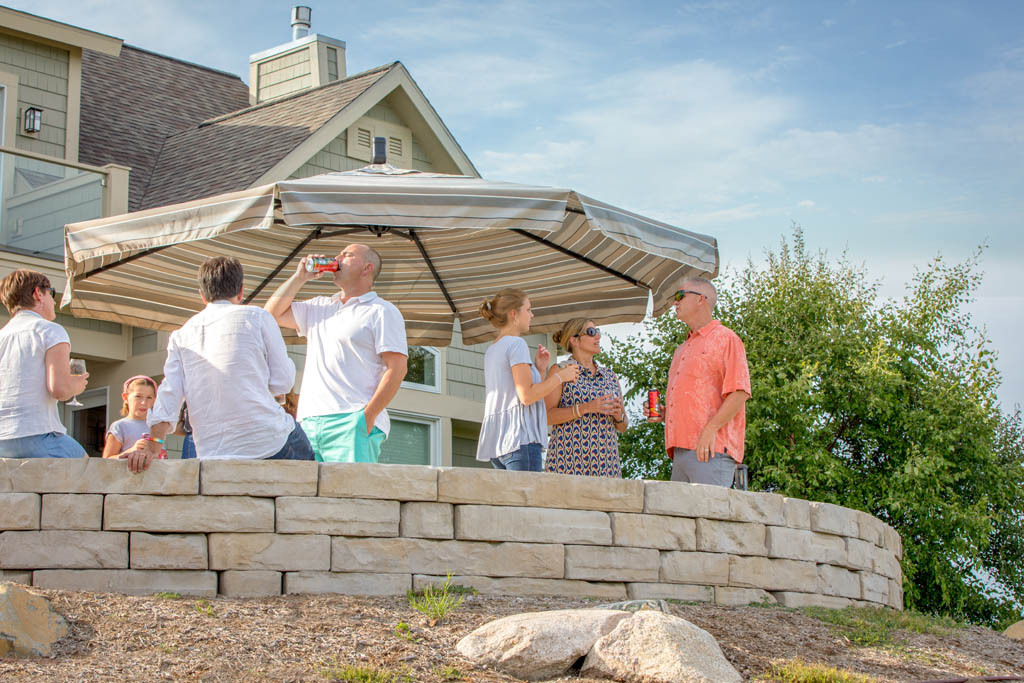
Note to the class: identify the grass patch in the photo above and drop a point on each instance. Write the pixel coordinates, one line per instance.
(402, 630)
(875, 626)
(448, 673)
(167, 596)
(799, 671)
(204, 607)
(437, 602)
(364, 674)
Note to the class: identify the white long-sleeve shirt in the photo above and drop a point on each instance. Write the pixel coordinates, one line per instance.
(228, 362)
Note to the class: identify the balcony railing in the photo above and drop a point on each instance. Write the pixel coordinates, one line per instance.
(40, 196)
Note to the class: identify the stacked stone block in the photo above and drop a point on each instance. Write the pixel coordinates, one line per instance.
(247, 529)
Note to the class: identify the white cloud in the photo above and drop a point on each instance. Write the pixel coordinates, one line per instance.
(806, 203)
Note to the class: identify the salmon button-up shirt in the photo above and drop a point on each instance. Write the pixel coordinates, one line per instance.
(707, 367)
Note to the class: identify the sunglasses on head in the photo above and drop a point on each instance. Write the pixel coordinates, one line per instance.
(683, 292)
(590, 332)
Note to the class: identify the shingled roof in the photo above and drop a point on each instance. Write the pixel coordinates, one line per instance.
(132, 103)
(232, 151)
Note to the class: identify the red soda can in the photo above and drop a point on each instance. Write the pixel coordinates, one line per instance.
(316, 264)
(654, 403)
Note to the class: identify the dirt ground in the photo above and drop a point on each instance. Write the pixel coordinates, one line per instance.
(312, 638)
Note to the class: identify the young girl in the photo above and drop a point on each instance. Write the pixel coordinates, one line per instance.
(139, 395)
(515, 424)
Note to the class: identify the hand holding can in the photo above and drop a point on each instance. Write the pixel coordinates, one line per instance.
(652, 409)
(321, 264)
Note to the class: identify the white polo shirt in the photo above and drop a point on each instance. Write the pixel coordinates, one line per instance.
(344, 343)
(26, 406)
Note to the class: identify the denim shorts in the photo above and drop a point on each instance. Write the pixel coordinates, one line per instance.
(526, 458)
(342, 437)
(51, 445)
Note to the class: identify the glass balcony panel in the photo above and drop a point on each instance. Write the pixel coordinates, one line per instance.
(39, 198)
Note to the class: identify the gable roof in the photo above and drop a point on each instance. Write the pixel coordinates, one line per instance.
(132, 102)
(232, 151)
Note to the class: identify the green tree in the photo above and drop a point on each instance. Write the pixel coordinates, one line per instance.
(884, 406)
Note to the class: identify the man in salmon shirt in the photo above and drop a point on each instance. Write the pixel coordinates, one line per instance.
(708, 387)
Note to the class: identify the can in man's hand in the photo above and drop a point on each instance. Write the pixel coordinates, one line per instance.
(654, 403)
(316, 264)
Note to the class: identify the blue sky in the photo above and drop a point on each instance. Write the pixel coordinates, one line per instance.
(894, 130)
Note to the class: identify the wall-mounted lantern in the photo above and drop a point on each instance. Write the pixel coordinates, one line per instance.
(33, 120)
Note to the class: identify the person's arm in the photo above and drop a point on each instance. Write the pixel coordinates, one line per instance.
(146, 451)
(112, 448)
(395, 367)
(282, 370)
(732, 404)
(529, 393)
(279, 304)
(60, 383)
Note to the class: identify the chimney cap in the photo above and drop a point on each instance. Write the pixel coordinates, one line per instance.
(302, 17)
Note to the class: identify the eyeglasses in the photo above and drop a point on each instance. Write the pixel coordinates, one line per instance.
(51, 290)
(683, 292)
(590, 332)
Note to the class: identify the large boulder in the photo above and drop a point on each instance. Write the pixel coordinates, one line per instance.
(28, 625)
(652, 647)
(538, 645)
(1016, 631)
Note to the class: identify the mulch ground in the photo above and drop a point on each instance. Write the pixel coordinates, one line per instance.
(313, 638)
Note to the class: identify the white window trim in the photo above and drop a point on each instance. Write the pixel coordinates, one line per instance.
(432, 421)
(436, 388)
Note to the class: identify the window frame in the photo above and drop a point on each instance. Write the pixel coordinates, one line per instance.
(433, 422)
(436, 388)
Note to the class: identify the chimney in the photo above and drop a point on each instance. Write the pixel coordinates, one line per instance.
(301, 17)
(309, 60)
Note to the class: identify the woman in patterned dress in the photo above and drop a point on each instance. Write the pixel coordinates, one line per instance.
(587, 414)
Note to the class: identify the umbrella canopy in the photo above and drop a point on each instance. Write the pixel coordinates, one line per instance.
(446, 242)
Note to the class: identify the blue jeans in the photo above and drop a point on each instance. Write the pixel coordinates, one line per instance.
(295, 448)
(525, 459)
(52, 445)
(188, 448)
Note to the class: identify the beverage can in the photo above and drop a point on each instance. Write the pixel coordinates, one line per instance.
(654, 403)
(317, 264)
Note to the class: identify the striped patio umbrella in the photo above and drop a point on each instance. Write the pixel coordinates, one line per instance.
(446, 241)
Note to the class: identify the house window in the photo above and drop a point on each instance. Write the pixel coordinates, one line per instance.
(414, 440)
(423, 369)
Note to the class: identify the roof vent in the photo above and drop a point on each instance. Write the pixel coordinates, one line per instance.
(301, 17)
(380, 151)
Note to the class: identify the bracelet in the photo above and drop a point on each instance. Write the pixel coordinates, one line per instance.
(159, 441)
(576, 410)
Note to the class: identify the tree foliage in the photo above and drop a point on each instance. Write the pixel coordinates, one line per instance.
(884, 406)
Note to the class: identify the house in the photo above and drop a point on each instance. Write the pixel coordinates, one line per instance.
(93, 127)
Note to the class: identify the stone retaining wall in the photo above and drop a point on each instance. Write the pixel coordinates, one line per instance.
(266, 528)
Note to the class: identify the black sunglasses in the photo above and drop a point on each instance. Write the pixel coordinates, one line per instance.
(53, 292)
(683, 292)
(590, 332)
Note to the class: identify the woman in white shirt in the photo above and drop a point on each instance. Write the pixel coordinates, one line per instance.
(514, 429)
(35, 355)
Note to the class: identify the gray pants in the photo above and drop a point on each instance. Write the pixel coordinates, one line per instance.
(717, 471)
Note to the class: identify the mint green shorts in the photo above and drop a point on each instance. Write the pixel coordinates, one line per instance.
(342, 437)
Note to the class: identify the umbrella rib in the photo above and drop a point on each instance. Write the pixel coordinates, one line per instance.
(580, 257)
(121, 262)
(302, 245)
(433, 271)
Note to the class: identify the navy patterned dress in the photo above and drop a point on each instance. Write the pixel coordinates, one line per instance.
(589, 445)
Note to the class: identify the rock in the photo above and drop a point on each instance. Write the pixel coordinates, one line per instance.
(653, 648)
(1016, 631)
(28, 625)
(539, 645)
